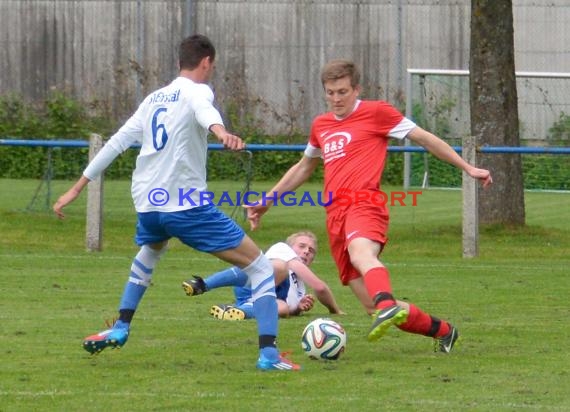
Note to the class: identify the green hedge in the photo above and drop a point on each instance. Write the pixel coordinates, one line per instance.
(549, 172)
(545, 172)
(61, 117)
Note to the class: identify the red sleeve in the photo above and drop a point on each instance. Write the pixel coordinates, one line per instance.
(387, 117)
(313, 140)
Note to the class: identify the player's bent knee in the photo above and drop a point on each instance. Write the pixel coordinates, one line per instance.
(280, 270)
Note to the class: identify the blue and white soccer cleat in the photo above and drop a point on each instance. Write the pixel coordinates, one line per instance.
(282, 364)
(114, 338)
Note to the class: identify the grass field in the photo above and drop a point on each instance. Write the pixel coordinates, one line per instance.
(510, 305)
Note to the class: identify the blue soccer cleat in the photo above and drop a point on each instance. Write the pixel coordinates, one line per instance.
(114, 338)
(282, 364)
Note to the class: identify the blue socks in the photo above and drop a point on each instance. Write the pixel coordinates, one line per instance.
(132, 295)
(270, 353)
(119, 324)
(247, 308)
(265, 311)
(233, 276)
(139, 280)
(260, 274)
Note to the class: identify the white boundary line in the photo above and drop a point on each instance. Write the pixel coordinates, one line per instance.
(210, 259)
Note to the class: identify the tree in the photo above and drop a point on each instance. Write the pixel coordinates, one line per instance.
(494, 110)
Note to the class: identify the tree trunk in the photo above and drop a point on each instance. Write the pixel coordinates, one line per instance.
(494, 110)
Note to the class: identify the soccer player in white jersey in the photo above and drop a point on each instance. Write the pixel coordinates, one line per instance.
(291, 261)
(172, 125)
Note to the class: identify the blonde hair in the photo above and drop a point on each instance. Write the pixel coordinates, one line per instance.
(291, 239)
(339, 68)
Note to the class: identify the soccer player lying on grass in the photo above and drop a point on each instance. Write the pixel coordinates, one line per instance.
(290, 261)
(351, 140)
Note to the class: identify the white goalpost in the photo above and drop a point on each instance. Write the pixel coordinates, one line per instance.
(542, 99)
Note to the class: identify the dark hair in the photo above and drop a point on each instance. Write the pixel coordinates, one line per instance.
(193, 49)
(337, 69)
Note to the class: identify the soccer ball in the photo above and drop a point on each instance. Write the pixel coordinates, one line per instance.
(323, 339)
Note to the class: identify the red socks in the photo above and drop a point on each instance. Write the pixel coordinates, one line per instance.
(377, 281)
(423, 324)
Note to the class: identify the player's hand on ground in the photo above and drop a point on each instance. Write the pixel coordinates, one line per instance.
(483, 175)
(306, 303)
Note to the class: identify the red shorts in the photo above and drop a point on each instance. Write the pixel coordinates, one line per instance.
(359, 220)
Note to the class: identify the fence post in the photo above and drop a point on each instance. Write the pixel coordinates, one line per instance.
(407, 143)
(94, 221)
(470, 202)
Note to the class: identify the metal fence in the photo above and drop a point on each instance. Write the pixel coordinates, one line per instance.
(110, 53)
(94, 219)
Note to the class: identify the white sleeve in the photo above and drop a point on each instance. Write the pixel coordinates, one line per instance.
(206, 114)
(312, 151)
(281, 251)
(293, 301)
(100, 162)
(129, 134)
(401, 130)
(296, 292)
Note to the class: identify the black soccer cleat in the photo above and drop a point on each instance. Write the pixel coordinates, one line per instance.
(227, 312)
(445, 343)
(194, 286)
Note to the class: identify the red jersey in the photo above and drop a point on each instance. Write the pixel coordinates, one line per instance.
(354, 148)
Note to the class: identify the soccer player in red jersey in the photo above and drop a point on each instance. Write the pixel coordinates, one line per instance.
(352, 141)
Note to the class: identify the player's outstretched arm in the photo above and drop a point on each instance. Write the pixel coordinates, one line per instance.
(229, 140)
(482, 175)
(119, 142)
(291, 180)
(445, 152)
(69, 196)
(254, 214)
(321, 289)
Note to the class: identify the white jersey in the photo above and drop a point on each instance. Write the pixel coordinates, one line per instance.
(172, 125)
(297, 287)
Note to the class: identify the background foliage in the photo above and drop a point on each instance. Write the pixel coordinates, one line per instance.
(62, 117)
